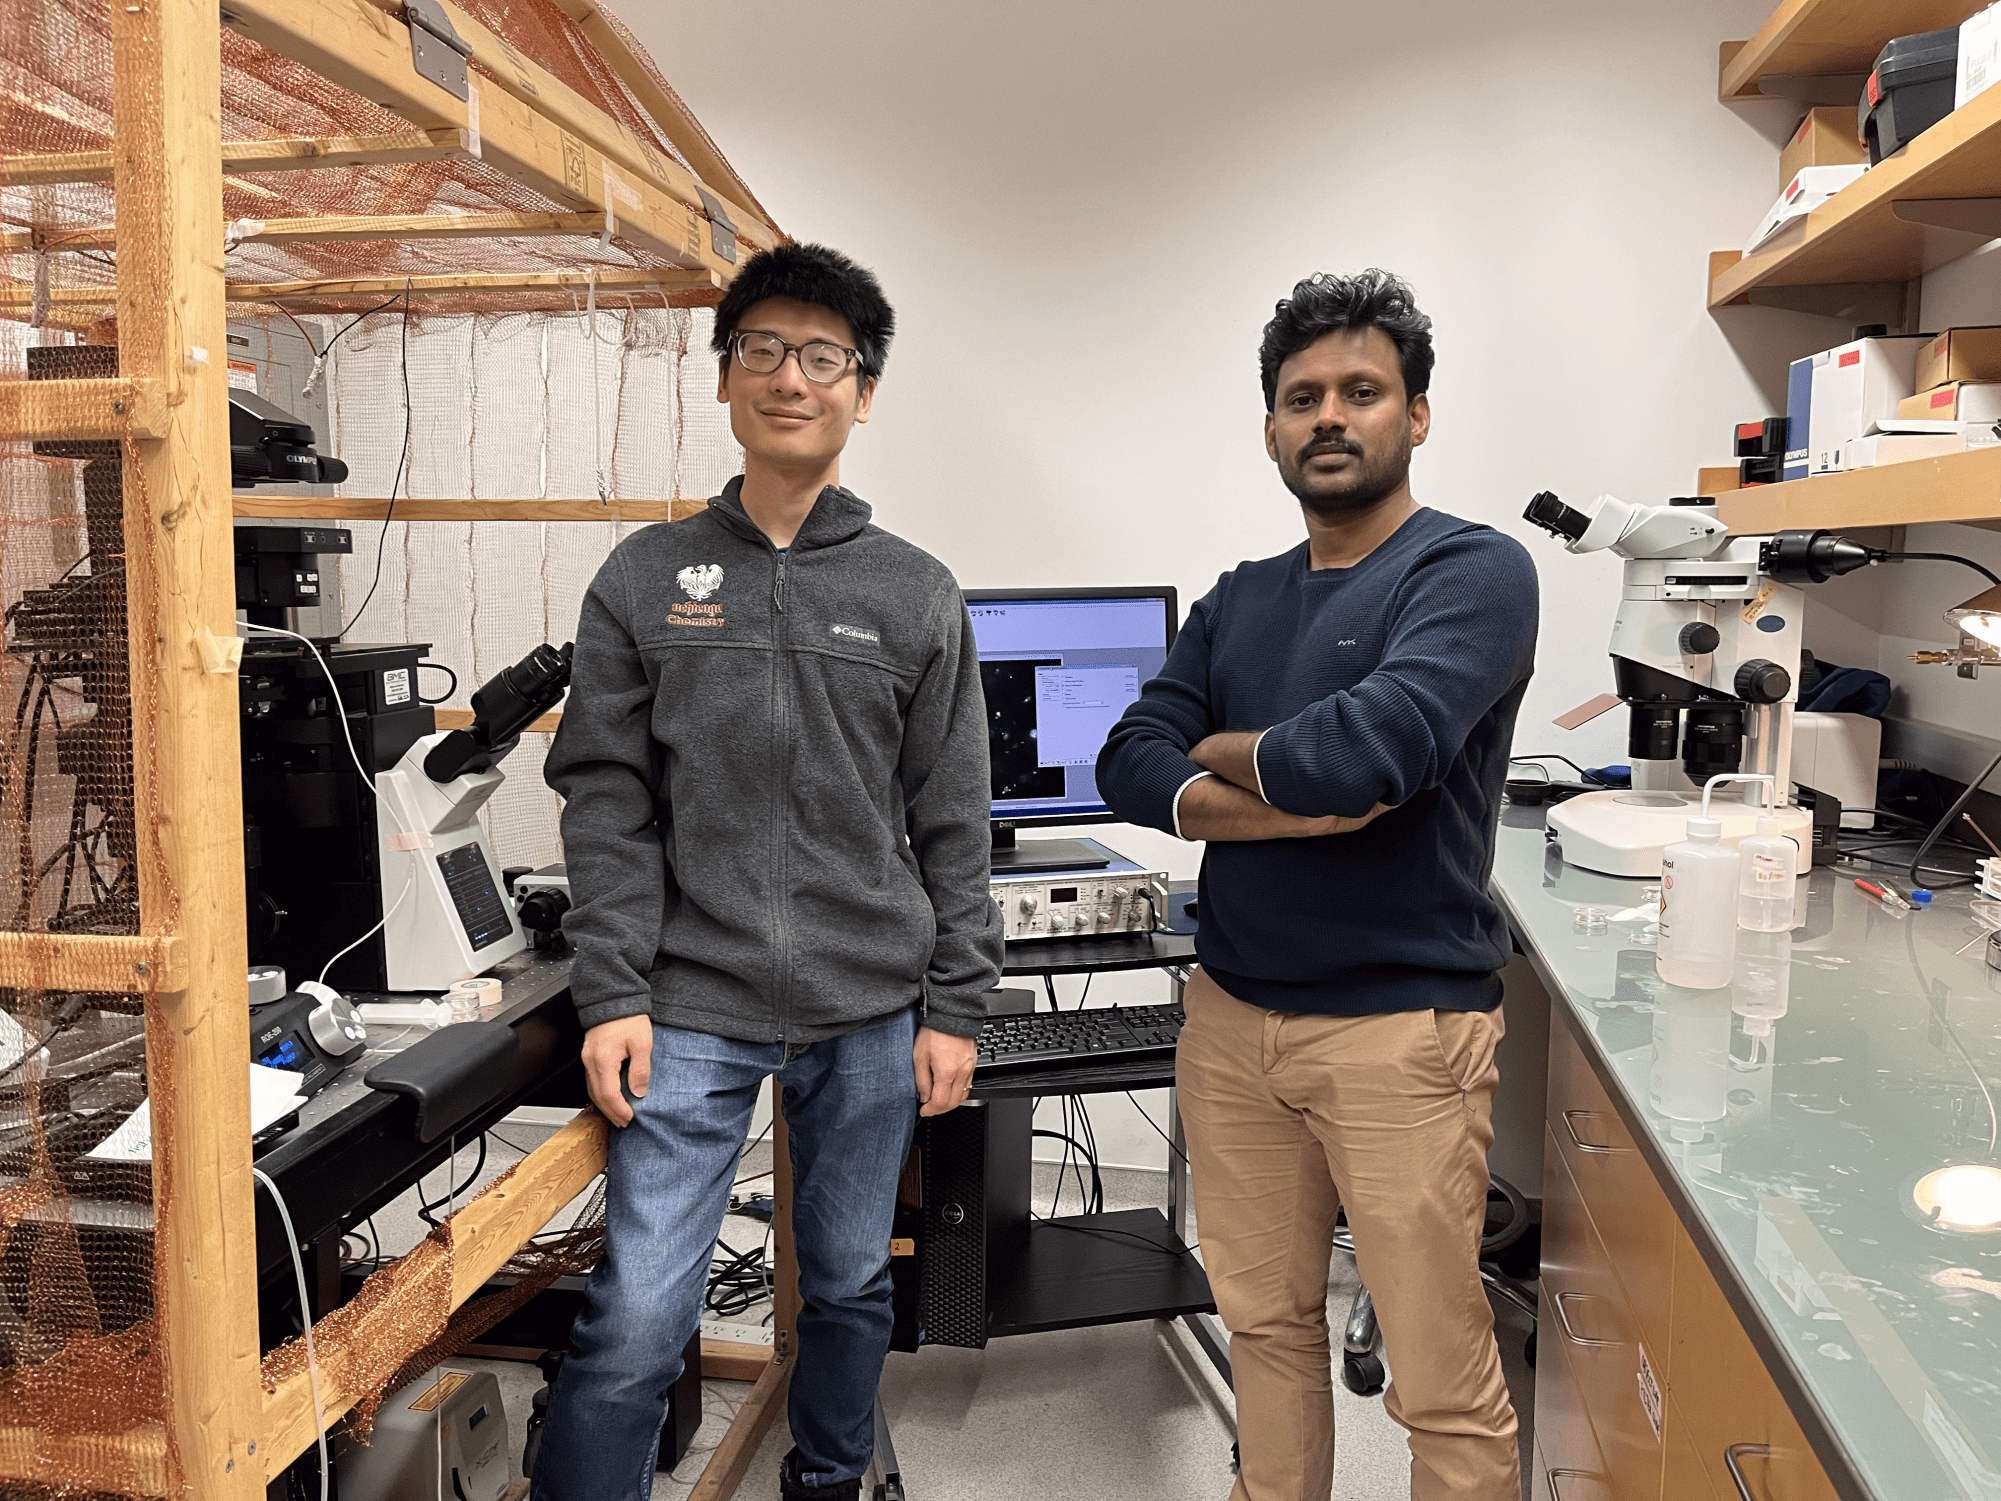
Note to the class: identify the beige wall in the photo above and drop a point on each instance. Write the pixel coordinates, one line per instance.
(1084, 212)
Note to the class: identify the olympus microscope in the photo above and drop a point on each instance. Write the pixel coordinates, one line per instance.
(1706, 657)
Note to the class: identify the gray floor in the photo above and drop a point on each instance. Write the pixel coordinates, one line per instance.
(1127, 1410)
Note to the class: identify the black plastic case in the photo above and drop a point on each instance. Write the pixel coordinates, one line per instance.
(1909, 90)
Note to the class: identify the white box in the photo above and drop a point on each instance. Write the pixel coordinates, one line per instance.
(1805, 193)
(1898, 448)
(1979, 56)
(1838, 754)
(1854, 385)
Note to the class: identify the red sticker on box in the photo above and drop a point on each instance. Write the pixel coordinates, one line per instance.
(1853, 357)
(1944, 398)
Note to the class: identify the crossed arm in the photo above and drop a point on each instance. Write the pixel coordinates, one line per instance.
(1226, 804)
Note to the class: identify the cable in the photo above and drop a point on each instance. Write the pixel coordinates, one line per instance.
(1959, 804)
(1589, 776)
(451, 1194)
(1056, 1224)
(402, 458)
(1941, 557)
(409, 884)
(1156, 1130)
(439, 667)
(305, 1318)
(67, 1015)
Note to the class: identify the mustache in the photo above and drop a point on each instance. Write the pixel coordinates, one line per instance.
(1329, 445)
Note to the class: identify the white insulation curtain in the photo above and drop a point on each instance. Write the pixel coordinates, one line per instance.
(514, 407)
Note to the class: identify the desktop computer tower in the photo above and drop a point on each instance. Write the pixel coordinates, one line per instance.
(962, 1217)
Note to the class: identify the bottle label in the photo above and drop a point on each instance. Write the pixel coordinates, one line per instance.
(1767, 871)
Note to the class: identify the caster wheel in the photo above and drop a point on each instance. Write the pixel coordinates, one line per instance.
(1362, 1374)
(1528, 1350)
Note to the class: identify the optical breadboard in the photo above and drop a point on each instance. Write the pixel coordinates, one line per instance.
(1120, 896)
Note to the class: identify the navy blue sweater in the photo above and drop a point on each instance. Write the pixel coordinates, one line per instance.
(1394, 681)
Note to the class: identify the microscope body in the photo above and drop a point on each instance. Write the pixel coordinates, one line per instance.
(1705, 655)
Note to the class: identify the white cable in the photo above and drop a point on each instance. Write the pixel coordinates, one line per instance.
(305, 1318)
(408, 881)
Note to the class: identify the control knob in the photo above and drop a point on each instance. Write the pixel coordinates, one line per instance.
(1762, 682)
(1699, 638)
(1028, 902)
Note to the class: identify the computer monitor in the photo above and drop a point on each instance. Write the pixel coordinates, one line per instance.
(1059, 667)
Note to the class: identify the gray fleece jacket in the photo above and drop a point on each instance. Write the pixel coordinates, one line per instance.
(775, 782)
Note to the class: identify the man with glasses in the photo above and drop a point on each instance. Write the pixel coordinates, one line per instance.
(774, 766)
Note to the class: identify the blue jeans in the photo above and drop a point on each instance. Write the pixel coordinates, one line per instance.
(851, 1104)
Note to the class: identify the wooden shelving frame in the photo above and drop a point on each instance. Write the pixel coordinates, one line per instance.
(1820, 37)
(1963, 487)
(230, 1434)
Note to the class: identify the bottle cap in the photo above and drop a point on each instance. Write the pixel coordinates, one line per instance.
(1705, 828)
(1757, 1026)
(1921, 896)
(1768, 826)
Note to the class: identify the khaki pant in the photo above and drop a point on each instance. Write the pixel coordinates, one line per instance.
(1291, 1117)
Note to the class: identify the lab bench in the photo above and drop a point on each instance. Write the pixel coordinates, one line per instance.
(1740, 1298)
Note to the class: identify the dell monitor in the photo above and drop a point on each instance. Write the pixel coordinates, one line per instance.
(1059, 667)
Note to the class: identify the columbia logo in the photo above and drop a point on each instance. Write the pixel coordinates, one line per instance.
(856, 633)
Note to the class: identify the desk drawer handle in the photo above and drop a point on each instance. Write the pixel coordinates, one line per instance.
(1582, 1144)
(1563, 1320)
(1556, 1491)
(1730, 1454)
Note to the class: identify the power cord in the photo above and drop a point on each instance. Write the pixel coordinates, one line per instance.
(382, 541)
(425, 1207)
(439, 667)
(1959, 804)
(305, 1319)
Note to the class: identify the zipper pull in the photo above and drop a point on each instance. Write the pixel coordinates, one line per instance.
(778, 585)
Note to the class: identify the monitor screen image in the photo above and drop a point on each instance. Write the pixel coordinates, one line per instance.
(1059, 667)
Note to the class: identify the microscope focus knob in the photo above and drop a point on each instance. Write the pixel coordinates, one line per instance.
(1699, 638)
(1762, 682)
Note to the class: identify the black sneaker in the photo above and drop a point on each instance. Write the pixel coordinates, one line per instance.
(792, 1488)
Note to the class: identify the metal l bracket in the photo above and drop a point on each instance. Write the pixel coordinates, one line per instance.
(1814, 88)
(437, 51)
(722, 229)
(1974, 216)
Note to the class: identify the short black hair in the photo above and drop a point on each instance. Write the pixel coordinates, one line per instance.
(823, 277)
(1324, 303)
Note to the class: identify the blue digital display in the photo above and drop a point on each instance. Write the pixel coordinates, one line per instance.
(287, 1054)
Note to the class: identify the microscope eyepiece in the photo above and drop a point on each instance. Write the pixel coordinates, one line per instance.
(1556, 518)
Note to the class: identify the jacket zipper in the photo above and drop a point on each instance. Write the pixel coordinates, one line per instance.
(783, 683)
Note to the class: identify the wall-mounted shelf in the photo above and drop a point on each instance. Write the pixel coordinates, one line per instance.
(1891, 224)
(1963, 487)
(1805, 37)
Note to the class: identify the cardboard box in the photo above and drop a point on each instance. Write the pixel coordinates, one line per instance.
(1803, 193)
(1979, 56)
(1799, 407)
(1826, 138)
(1899, 448)
(1962, 354)
(1853, 385)
(1956, 401)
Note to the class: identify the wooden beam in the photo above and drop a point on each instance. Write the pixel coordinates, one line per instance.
(726, 1360)
(1963, 487)
(667, 283)
(109, 409)
(347, 227)
(167, 176)
(483, 1235)
(357, 46)
(349, 508)
(731, 1458)
(461, 719)
(673, 116)
(80, 961)
(541, 90)
(291, 154)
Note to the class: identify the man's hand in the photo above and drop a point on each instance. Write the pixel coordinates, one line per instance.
(944, 1069)
(608, 1048)
(1215, 809)
(1232, 755)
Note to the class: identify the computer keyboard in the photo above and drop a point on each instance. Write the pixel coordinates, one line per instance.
(1042, 1038)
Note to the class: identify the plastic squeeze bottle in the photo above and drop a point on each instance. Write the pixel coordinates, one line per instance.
(1698, 908)
(1768, 866)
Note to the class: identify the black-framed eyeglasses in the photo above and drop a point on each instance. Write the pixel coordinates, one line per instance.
(821, 362)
